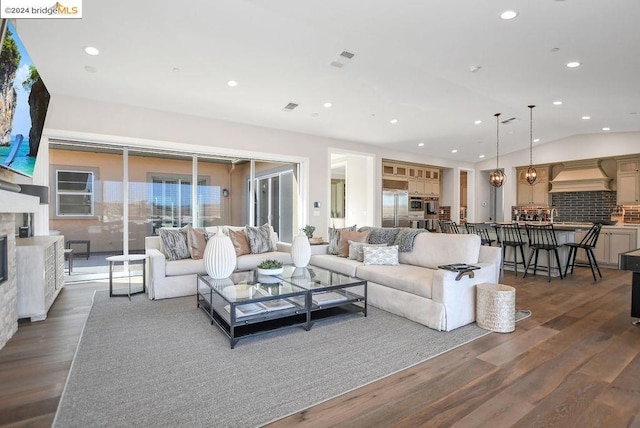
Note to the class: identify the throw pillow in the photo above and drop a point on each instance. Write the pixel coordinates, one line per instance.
(175, 243)
(381, 255)
(346, 236)
(239, 241)
(260, 239)
(196, 241)
(334, 238)
(356, 252)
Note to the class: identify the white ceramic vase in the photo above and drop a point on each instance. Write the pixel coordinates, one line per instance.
(301, 250)
(219, 256)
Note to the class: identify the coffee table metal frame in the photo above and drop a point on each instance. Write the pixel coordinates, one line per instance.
(299, 290)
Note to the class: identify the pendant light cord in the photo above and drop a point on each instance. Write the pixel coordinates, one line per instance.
(531, 135)
(497, 115)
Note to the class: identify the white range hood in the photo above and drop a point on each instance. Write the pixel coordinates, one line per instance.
(581, 176)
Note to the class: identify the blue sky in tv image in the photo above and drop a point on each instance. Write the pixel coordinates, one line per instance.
(21, 123)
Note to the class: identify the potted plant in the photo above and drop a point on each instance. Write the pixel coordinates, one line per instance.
(308, 230)
(270, 267)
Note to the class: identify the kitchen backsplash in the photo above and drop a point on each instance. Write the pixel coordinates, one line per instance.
(583, 206)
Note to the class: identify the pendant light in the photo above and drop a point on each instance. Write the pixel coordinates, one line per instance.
(496, 178)
(532, 174)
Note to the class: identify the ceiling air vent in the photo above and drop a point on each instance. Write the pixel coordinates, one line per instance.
(339, 62)
(290, 107)
(347, 55)
(336, 64)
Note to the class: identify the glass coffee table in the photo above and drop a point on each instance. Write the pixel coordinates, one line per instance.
(248, 303)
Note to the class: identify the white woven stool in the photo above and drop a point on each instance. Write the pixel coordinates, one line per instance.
(496, 307)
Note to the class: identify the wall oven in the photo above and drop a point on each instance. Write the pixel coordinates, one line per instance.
(416, 203)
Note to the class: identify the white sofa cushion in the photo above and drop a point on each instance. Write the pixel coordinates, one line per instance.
(435, 249)
(412, 279)
(335, 263)
(184, 267)
(250, 261)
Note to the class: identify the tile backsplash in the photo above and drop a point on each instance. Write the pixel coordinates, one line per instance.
(584, 206)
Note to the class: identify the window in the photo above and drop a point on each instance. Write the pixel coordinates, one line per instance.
(171, 196)
(74, 193)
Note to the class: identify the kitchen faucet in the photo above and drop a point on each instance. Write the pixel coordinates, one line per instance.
(552, 210)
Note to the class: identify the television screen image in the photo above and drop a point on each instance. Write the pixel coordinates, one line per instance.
(23, 106)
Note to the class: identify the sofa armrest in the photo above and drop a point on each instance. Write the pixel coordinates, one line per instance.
(157, 269)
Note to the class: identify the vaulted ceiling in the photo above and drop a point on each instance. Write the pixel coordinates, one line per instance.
(435, 66)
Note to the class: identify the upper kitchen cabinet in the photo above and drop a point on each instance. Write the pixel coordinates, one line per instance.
(536, 194)
(395, 169)
(628, 182)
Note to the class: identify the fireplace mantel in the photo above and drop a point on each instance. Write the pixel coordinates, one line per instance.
(13, 202)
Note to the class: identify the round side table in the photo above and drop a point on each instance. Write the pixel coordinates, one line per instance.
(128, 258)
(496, 307)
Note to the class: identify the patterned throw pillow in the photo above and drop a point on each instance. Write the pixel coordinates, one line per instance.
(196, 241)
(346, 236)
(175, 243)
(334, 239)
(240, 242)
(356, 249)
(381, 255)
(260, 240)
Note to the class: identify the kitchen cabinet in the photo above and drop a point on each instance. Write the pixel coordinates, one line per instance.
(628, 182)
(39, 274)
(611, 242)
(416, 187)
(536, 194)
(395, 169)
(416, 172)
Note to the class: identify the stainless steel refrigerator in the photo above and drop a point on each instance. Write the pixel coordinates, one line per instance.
(395, 208)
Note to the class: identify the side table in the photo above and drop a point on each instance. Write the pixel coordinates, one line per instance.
(496, 307)
(131, 259)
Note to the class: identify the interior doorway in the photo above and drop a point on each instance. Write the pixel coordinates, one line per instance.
(352, 185)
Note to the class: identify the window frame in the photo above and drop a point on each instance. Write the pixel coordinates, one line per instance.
(90, 193)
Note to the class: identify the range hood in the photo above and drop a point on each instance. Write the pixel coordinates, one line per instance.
(581, 176)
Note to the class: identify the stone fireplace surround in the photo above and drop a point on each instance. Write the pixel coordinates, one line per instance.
(12, 204)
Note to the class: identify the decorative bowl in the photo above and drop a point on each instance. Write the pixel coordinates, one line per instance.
(277, 271)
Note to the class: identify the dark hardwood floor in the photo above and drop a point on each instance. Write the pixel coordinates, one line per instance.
(575, 362)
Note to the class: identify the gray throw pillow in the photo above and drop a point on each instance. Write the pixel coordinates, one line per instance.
(334, 239)
(175, 243)
(260, 239)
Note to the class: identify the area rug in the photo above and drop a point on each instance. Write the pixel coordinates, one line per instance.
(162, 363)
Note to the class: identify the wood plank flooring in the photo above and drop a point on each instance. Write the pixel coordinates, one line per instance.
(575, 362)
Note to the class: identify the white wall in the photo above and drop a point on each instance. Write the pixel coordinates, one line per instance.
(87, 120)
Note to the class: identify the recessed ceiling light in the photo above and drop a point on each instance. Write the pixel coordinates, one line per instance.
(232, 83)
(536, 140)
(606, 128)
(586, 117)
(393, 121)
(327, 105)
(481, 156)
(90, 50)
(574, 64)
(475, 68)
(454, 151)
(420, 144)
(477, 122)
(508, 14)
(557, 103)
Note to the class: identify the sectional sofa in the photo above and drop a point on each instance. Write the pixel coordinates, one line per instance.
(416, 289)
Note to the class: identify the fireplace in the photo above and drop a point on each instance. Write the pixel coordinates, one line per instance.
(4, 263)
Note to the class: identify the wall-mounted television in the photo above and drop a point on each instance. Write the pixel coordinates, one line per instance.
(23, 104)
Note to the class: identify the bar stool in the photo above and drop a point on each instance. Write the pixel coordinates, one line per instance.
(509, 235)
(482, 230)
(542, 238)
(588, 243)
(448, 226)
